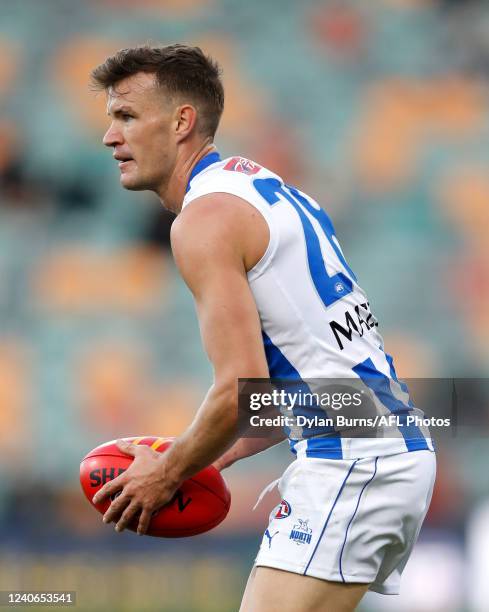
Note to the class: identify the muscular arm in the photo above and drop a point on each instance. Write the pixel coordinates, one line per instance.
(212, 248)
(215, 240)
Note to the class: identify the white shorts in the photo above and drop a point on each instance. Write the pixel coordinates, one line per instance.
(350, 520)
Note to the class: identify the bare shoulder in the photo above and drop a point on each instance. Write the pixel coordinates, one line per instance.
(220, 225)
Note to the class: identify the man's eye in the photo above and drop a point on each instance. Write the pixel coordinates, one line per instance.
(126, 116)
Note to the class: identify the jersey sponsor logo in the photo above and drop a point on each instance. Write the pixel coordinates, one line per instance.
(241, 164)
(301, 532)
(270, 538)
(359, 320)
(283, 511)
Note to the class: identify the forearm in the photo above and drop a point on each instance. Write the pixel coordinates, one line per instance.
(211, 433)
(246, 447)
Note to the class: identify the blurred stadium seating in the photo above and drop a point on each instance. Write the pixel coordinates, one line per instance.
(378, 109)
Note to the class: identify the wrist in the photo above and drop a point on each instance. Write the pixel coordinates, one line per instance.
(169, 473)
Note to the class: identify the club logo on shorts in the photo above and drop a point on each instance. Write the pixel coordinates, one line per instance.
(301, 532)
(283, 511)
(241, 164)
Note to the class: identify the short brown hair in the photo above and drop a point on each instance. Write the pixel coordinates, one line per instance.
(180, 69)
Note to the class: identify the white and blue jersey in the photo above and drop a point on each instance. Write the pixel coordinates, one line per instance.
(316, 319)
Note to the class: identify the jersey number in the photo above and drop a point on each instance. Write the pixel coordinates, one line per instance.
(329, 288)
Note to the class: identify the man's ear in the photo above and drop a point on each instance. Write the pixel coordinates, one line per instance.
(185, 120)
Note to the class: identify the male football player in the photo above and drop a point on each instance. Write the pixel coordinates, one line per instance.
(276, 298)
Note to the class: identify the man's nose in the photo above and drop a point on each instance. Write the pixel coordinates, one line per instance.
(112, 137)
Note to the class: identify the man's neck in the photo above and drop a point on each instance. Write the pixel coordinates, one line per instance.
(172, 194)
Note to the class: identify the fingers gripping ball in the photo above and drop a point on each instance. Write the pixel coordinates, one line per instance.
(200, 504)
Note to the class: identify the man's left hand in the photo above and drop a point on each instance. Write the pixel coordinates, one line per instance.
(141, 489)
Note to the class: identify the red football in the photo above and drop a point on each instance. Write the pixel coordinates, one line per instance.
(200, 504)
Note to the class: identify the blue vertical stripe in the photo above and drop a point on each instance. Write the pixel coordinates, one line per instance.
(393, 373)
(281, 368)
(380, 384)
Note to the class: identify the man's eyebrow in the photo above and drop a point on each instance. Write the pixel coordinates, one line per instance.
(119, 110)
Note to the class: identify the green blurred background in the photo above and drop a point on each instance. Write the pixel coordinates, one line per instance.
(377, 109)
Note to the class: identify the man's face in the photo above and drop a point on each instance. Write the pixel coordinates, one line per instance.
(140, 132)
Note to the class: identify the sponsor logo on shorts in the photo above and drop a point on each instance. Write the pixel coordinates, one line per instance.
(241, 164)
(283, 511)
(301, 532)
(270, 538)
